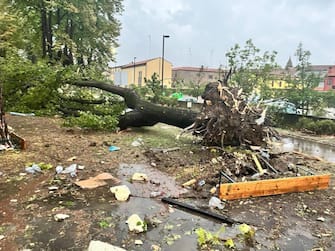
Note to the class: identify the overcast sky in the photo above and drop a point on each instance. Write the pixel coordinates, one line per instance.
(202, 31)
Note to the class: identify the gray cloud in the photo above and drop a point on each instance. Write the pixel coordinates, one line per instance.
(201, 32)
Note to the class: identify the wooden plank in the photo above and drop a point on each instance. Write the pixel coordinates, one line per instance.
(239, 190)
(20, 140)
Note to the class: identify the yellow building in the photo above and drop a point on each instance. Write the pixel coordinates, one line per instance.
(279, 78)
(135, 72)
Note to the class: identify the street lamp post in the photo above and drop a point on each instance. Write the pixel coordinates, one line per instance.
(164, 36)
(134, 70)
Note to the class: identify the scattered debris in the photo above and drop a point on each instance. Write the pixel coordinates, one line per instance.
(164, 150)
(322, 219)
(73, 158)
(155, 194)
(121, 192)
(61, 217)
(201, 183)
(59, 169)
(81, 167)
(71, 169)
(222, 173)
(155, 247)
(189, 183)
(1, 237)
(96, 181)
(139, 177)
(34, 168)
(213, 190)
(136, 224)
(22, 114)
(103, 246)
(216, 202)
(113, 148)
(137, 142)
(53, 188)
(138, 242)
(37, 168)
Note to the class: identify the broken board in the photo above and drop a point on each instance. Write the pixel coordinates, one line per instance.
(21, 141)
(239, 190)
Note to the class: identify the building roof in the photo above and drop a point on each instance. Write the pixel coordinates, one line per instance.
(197, 69)
(320, 67)
(143, 62)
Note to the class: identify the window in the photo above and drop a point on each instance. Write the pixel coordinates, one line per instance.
(280, 84)
(273, 83)
(330, 81)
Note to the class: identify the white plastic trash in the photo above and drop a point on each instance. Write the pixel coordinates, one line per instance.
(216, 202)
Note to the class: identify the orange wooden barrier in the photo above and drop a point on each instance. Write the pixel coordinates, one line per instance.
(239, 190)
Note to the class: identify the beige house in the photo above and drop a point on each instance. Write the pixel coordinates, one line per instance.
(135, 72)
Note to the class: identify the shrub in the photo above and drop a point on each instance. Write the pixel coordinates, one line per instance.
(325, 127)
(88, 120)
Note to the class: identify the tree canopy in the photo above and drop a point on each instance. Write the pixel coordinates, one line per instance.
(301, 86)
(251, 68)
(72, 31)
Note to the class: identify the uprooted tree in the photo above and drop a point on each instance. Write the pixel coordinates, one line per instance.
(225, 118)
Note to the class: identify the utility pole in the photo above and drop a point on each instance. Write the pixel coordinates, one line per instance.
(164, 36)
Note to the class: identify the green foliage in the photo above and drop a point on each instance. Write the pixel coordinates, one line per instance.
(206, 238)
(248, 234)
(71, 31)
(320, 127)
(251, 69)
(42, 165)
(328, 98)
(154, 92)
(103, 224)
(301, 88)
(29, 87)
(88, 120)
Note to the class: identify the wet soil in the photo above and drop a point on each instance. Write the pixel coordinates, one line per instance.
(296, 221)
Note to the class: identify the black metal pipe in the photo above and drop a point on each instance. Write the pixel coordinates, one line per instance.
(222, 173)
(215, 216)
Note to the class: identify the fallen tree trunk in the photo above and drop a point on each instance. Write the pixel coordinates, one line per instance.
(144, 113)
(225, 119)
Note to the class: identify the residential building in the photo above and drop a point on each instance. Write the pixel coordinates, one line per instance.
(196, 75)
(135, 73)
(320, 70)
(329, 80)
(280, 76)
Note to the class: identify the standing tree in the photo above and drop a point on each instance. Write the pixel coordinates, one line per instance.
(43, 42)
(73, 32)
(301, 87)
(251, 69)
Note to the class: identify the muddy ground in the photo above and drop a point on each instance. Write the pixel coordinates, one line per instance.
(296, 221)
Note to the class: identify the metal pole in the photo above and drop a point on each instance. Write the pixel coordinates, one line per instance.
(134, 70)
(164, 36)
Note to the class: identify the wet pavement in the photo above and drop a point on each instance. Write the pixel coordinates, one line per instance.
(312, 148)
(96, 215)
